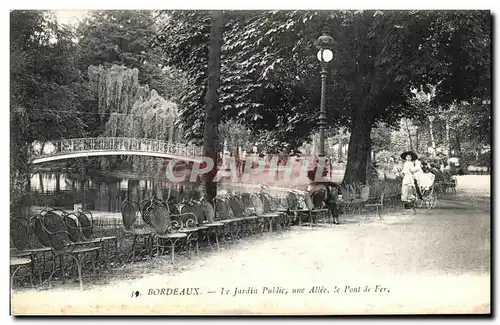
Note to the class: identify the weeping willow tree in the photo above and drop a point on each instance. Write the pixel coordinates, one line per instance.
(133, 110)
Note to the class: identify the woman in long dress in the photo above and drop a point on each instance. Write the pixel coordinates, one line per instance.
(411, 171)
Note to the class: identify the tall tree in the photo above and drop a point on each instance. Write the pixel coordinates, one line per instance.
(212, 105)
(270, 76)
(123, 37)
(48, 95)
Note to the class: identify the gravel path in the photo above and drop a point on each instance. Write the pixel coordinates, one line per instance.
(436, 261)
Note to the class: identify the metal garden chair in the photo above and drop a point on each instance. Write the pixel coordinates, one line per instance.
(23, 244)
(295, 211)
(166, 231)
(232, 224)
(189, 217)
(270, 206)
(378, 205)
(52, 231)
(85, 222)
(214, 227)
(264, 211)
(130, 214)
(243, 209)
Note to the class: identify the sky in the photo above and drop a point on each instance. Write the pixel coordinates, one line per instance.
(70, 16)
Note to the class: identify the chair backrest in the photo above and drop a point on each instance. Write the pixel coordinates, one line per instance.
(308, 202)
(257, 203)
(236, 207)
(73, 227)
(148, 205)
(351, 190)
(208, 211)
(160, 219)
(19, 232)
(222, 208)
(186, 207)
(189, 220)
(36, 225)
(345, 193)
(172, 207)
(318, 198)
(292, 201)
(281, 203)
(53, 228)
(246, 198)
(365, 193)
(191, 208)
(130, 211)
(86, 223)
(382, 196)
(266, 204)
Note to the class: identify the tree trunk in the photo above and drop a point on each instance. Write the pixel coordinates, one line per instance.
(431, 130)
(212, 105)
(40, 179)
(416, 139)
(448, 144)
(132, 190)
(42, 148)
(369, 163)
(458, 146)
(341, 147)
(359, 148)
(409, 134)
(58, 183)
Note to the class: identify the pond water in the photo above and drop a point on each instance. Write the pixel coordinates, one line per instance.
(100, 192)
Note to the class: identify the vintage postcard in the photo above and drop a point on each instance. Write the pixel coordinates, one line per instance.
(237, 162)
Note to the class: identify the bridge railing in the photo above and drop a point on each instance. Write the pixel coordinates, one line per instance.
(65, 146)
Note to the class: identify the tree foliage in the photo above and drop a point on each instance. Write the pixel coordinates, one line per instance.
(49, 97)
(130, 109)
(269, 72)
(123, 37)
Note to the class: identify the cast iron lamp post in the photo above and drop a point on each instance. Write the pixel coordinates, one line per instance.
(325, 55)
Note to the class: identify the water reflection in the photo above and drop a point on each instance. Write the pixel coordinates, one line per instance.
(100, 192)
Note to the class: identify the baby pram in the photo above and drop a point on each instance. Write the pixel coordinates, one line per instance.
(429, 197)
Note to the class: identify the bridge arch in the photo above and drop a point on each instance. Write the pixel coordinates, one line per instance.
(91, 147)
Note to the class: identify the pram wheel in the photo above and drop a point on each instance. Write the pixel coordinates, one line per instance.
(429, 199)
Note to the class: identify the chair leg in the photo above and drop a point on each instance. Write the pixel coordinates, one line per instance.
(13, 275)
(94, 261)
(61, 264)
(133, 249)
(54, 270)
(79, 265)
(189, 243)
(217, 239)
(173, 251)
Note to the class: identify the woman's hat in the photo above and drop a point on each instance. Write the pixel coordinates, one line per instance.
(411, 153)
